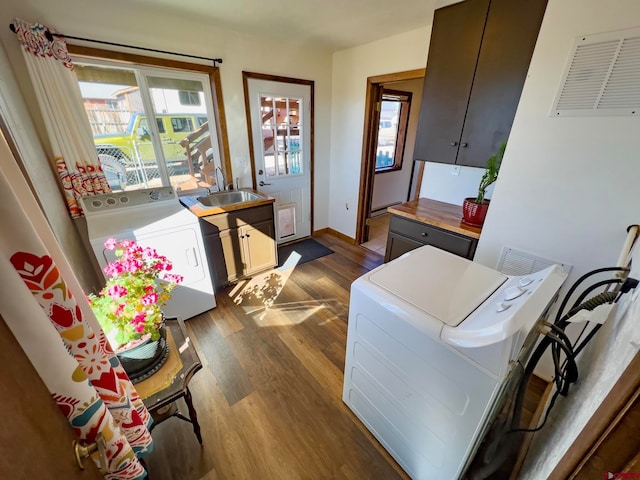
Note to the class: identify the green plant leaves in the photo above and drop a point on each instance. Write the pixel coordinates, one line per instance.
(491, 173)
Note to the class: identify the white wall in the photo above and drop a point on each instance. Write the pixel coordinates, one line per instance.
(451, 184)
(351, 68)
(393, 187)
(568, 187)
(130, 23)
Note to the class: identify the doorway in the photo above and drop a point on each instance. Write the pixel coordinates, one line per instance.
(400, 181)
(280, 119)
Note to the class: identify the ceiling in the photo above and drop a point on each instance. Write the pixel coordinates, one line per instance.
(331, 24)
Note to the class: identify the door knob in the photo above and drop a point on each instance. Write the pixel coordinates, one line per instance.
(262, 184)
(82, 452)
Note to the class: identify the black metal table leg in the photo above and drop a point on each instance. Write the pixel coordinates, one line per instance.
(193, 415)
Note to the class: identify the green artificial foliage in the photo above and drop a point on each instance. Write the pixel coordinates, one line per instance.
(491, 173)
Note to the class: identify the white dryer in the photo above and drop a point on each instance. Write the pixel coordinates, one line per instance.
(431, 344)
(154, 217)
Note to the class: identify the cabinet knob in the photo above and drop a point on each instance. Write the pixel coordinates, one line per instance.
(247, 235)
(464, 144)
(424, 234)
(453, 144)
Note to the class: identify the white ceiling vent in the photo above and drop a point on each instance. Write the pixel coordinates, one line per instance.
(602, 76)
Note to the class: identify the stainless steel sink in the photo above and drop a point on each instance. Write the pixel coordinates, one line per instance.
(224, 199)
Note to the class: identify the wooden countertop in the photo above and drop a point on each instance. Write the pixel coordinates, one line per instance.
(439, 214)
(195, 207)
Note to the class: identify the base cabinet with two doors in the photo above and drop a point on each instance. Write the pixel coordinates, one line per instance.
(239, 243)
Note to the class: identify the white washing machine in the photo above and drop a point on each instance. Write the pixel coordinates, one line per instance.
(155, 218)
(431, 343)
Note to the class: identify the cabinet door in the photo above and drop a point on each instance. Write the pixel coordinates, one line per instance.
(398, 245)
(507, 45)
(259, 247)
(453, 53)
(224, 254)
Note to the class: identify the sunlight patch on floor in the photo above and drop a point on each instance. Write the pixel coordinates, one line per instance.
(257, 297)
(258, 294)
(279, 316)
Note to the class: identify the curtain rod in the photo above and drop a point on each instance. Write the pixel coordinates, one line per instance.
(50, 36)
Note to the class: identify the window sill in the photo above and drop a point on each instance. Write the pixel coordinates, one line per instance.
(395, 168)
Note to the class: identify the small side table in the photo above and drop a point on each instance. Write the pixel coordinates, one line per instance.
(161, 390)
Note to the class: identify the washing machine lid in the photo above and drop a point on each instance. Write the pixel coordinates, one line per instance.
(443, 285)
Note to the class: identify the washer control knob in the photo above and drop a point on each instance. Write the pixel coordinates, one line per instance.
(513, 292)
(502, 306)
(523, 282)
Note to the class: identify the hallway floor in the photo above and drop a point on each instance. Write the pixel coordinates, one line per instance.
(378, 230)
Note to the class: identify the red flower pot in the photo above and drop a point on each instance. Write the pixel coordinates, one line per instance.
(473, 214)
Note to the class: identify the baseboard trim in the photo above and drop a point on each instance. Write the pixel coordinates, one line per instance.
(375, 212)
(335, 233)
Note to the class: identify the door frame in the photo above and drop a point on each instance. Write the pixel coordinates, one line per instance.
(367, 163)
(246, 76)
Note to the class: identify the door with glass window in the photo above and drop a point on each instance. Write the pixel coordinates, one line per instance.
(281, 132)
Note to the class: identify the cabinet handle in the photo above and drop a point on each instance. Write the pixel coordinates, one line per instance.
(464, 144)
(247, 235)
(424, 234)
(262, 184)
(453, 144)
(241, 236)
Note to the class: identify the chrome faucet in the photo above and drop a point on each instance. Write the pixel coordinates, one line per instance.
(225, 186)
(218, 182)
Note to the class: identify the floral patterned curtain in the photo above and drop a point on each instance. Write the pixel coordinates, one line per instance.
(60, 101)
(43, 305)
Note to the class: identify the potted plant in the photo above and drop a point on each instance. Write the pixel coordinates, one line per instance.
(128, 308)
(474, 209)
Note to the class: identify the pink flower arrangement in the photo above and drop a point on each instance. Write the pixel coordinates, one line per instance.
(139, 283)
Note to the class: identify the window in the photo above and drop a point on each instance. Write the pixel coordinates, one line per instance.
(144, 126)
(189, 98)
(281, 135)
(392, 130)
(181, 124)
(145, 139)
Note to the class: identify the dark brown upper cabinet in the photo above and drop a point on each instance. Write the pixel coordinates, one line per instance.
(479, 55)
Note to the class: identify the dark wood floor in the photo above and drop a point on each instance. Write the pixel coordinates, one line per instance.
(269, 396)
